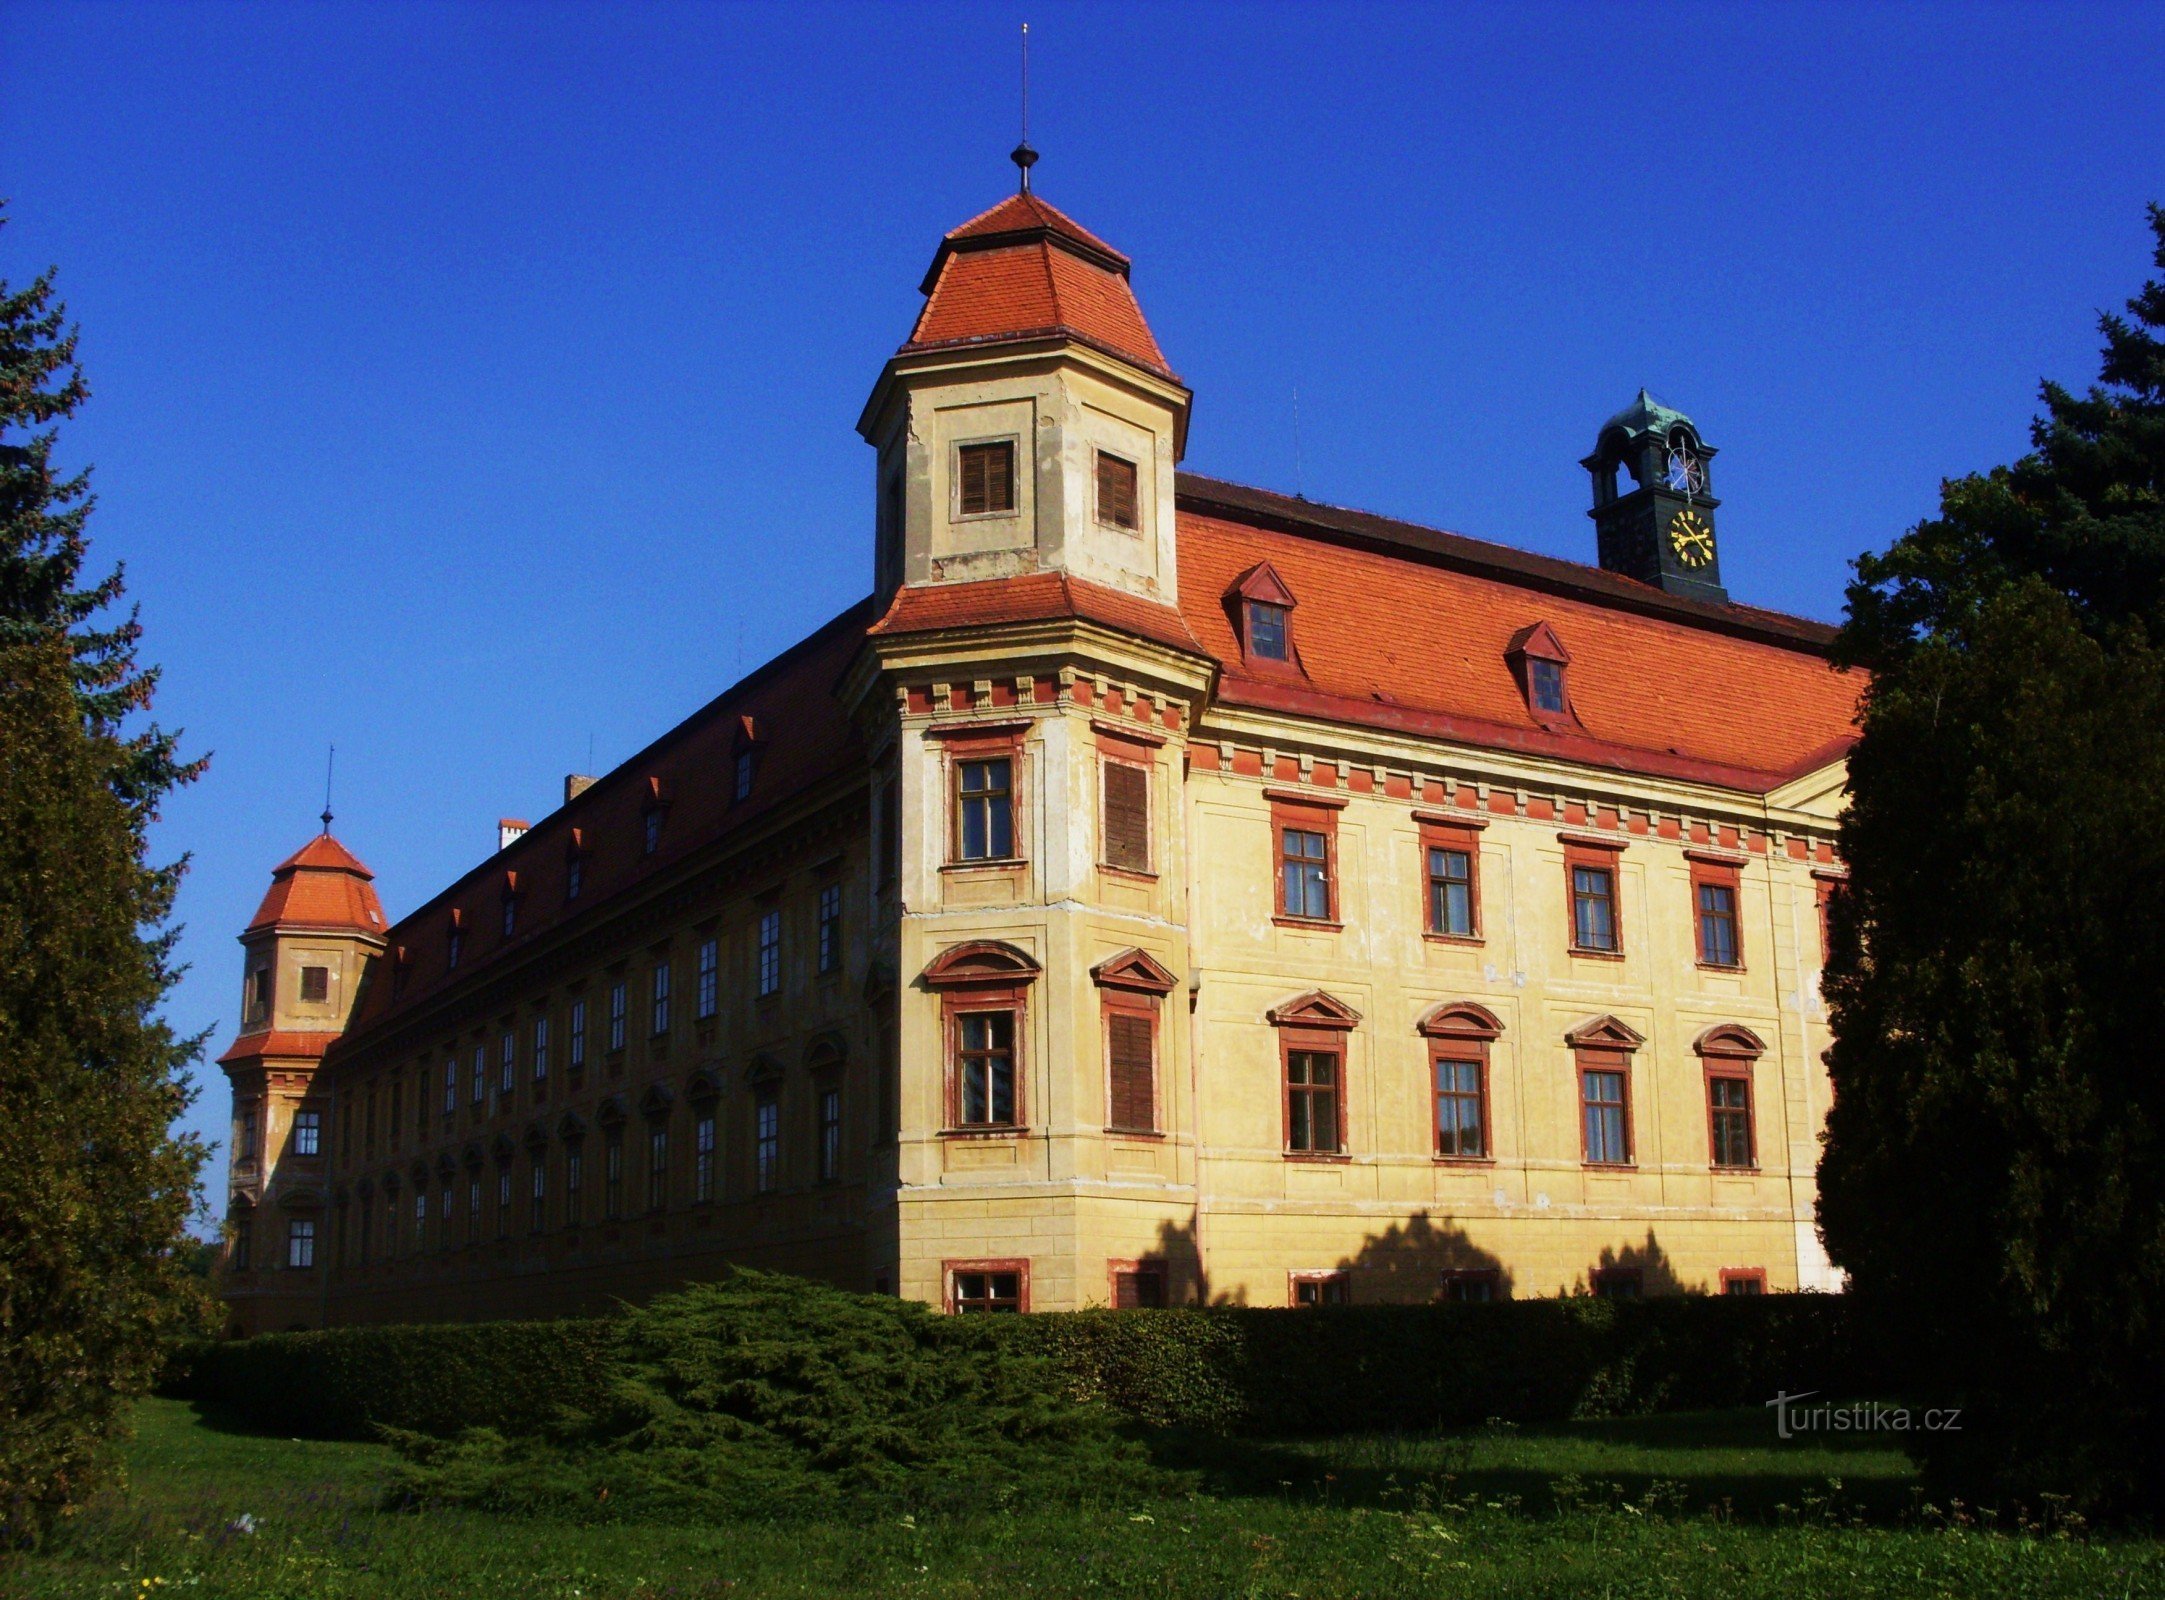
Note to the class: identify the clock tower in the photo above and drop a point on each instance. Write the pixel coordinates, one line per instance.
(1654, 500)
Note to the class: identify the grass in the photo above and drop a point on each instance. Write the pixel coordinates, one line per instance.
(1673, 1506)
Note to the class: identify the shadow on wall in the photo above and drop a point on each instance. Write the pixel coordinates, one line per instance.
(1632, 1270)
(1415, 1260)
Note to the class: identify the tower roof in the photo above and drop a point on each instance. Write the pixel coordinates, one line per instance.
(1026, 270)
(321, 885)
(1648, 415)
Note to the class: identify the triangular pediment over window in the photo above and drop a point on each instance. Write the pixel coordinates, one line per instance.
(1261, 582)
(1134, 969)
(1314, 1009)
(1604, 1033)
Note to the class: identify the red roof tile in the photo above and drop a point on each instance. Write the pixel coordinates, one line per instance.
(1417, 640)
(285, 1046)
(321, 885)
(1023, 270)
(1035, 597)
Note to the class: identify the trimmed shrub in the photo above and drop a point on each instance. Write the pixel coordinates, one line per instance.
(1219, 1370)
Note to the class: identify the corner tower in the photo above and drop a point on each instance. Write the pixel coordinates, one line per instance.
(308, 951)
(1030, 423)
(1654, 502)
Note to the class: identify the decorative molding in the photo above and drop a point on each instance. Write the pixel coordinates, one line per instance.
(1315, 1009)
(1136, 970)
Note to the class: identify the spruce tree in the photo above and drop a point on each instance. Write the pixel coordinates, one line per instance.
(95, 1188)
(1994, 1179)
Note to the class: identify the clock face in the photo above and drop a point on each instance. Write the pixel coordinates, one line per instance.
(1691, 538)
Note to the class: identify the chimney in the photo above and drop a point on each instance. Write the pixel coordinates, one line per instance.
(576, 784)
(509, 829)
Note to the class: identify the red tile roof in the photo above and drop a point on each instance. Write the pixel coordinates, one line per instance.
(1408, 628)
(285, 1046)
(1036, 597)
(1023, 270)
(321, 885)
(812, 740)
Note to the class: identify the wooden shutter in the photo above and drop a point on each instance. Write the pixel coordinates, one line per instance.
(1127, 816)
(1130, 1048)
(988, 478)
(1116, 492)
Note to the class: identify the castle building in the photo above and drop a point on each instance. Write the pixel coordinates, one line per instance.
(1156, 890)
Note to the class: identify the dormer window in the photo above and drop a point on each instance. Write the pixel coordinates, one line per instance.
(454, 947)
(1262, 608)
(747, 767)
(1118, 502)
(1266, 630)
(575, 863)
(985, 478)
(650, 817)
(1542, 666)
(653, 837)
(1546, 679)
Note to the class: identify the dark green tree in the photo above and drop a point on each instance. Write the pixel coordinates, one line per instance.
(1994, 1179)
(95, 1188)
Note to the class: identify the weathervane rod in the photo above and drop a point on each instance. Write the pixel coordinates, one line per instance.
(330, 764)
(1024, 157)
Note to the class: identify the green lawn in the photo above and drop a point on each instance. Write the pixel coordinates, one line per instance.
(1694, 1505)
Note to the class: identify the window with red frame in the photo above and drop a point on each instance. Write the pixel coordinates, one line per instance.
(985, 1069)
(1717, 932)
(1605, 1100)
(1314, 1101)
(983, 1289)
(1139, 1285)
(1729, 1118)
(1131, 1060)
(1268, 631)
(1304, 871)
(1311, 1289)
(985, 808)
(1472, 1285)
(1744, 1280)
(1451, 896)
(1461, 1086)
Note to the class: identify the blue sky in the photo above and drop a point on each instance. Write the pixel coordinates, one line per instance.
(474, 385)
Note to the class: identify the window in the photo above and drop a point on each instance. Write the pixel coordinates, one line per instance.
(256, 995)
(1312, 1102)
(481, 1074)
(1127, 816)
(1461, 1107)
(767, 1138)
(985, 810)
(890, 864)
(657, 1166)
(541, 1050)
(1304, 874)
(574, 1184)
(578, 1036)
(507, 1070)
(617, 1005)
(307, 1133)
(1619, 1283)
(244, 1232)
(1320, 1289)
(830, 1134)
(316, 984)
(1744, 1280)
(451, 1085)
(574, 877)
(503, 1200)
(710, 978)
(703, 1157)
(1131, 1066)
(1718, 934)
(420, 1221)
(443, 1218)
(1472, 1285)
(1138, 1285)
(454, 947)
(390, 1224)
(244, 1139)
(1117, 500)
(651, 838)
(986, 474)
(612, 1174)
(976, 1289)
(1450, 890)
(1729, 1118)
(985, 1069)
(830, 928)
(1607, 1114)
(770, 952)
(398, 1106)
(511, 916)
(1267, 631)
(1591, 873)
(368, 1126)
(473, 1208)
(660, 993)
(1545, 685)
(538, 1194)
(301, 1243)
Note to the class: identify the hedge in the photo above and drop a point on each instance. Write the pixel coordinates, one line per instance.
(1217, 1370)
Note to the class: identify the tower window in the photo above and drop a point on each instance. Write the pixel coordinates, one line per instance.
(316, 984)
(986, 478)
(1547, 682)
(256, 1001)
(1117, 500)
(307, 1133)
(1267, 630)
(985, 794)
